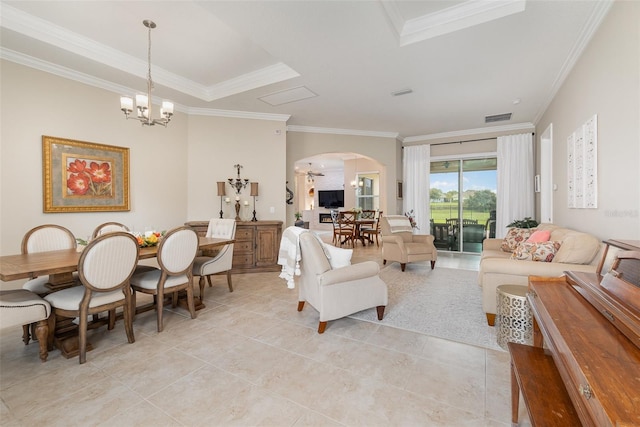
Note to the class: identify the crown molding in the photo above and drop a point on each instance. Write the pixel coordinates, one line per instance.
(590, 27)
(334, 131)
(527, 127)
(39, 29)
(448, 20)
(237, 114)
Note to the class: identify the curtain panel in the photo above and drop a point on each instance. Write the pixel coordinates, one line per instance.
(416, 169)
(515, 180)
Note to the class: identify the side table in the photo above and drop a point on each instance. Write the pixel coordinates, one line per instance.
(514, 321)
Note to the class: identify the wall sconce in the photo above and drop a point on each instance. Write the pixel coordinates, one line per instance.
(238, 184)
(221, 193)
(254, 193)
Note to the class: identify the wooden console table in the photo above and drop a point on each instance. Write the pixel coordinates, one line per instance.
(256, 244)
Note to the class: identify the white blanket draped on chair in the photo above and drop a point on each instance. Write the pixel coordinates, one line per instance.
(289, 254)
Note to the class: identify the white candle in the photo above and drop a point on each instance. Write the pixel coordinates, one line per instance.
(227, 199)
(237, 198)
(246, 203)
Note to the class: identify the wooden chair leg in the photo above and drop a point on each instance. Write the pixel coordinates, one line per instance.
(491, 319)
(111, 321)
(42, 333)
(26, 334)
(229, 281)
(209, 281)
(433, 265)
(82, 337)
(380, 310)
(52, 327)
(321, 327)
(190, 303)
(300, 305)
(201, 286)
(159, 308)
(128, 320)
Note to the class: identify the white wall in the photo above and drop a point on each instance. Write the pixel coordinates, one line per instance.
(215, 145)
(604, 81)
(173, 170)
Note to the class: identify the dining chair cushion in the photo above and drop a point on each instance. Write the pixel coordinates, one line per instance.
(69, 299)
(21, 307)
(150, 279)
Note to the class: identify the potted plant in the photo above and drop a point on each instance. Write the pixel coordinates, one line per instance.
(299, 222)
(527, 222)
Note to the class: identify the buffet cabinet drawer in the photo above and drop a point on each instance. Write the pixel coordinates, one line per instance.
(242, 260)
(243, 247)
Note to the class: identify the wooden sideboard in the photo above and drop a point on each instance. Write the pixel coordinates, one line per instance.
(256, 247)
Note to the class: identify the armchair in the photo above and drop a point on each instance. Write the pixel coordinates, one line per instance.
(401, 245)
(337, 291)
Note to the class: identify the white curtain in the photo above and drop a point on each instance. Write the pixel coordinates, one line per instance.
(416, 166)
(515, 180)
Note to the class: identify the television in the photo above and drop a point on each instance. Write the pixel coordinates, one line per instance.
(330, 199)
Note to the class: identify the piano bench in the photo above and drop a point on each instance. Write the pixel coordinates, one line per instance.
(534, 374)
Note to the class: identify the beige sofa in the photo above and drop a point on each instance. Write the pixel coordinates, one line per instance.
(578, 252)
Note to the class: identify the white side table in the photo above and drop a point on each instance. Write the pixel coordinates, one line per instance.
(514, 322)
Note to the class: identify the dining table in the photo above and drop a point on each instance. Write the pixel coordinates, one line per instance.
(59, 265)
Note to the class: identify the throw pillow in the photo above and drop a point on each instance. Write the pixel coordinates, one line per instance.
(539, 236)
(543, 251)
(514, 237)
(338, 257)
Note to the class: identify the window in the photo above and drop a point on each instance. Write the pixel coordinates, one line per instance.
(368, 191)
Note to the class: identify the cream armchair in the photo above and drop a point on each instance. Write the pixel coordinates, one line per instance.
(339, 291)
(401, 245)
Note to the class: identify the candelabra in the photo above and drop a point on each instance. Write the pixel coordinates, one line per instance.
(238, 184)
(254, 193)
(221, 193)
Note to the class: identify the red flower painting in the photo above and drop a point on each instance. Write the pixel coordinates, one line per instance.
(92, 180)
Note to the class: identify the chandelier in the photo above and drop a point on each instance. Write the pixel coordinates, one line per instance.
(143, 102)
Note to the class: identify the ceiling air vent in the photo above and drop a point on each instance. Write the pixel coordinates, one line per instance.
(497, 118)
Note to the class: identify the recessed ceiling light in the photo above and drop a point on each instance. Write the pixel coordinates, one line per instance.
(402, 92)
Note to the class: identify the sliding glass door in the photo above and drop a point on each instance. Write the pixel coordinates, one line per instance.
(463, 202)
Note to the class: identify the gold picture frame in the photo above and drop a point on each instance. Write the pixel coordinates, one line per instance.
(81, 176)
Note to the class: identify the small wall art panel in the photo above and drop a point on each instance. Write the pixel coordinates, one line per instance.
(582, 176)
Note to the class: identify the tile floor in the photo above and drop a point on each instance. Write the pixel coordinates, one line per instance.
(251, 359)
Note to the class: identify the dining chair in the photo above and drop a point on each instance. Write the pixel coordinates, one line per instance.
(176, 252)
(44, 238)
(20, 307)
(367, 214)
(47, 237)
(221, 262)
(374, 230)
(335, 215)
(346, 228)
(108, 227)
(105, 268)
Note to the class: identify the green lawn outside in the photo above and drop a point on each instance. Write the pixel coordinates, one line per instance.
(441, 211)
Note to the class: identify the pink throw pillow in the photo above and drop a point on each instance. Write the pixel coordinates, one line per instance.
(539, 236)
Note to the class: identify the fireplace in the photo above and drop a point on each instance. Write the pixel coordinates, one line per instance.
(325, 218)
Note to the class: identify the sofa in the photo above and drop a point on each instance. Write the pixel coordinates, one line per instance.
(509, 261)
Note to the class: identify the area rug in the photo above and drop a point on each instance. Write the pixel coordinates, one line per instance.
(444, 303)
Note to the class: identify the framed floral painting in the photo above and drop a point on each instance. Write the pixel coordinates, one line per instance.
(84, 176)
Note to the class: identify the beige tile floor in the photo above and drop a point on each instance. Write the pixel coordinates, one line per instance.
(251, 359)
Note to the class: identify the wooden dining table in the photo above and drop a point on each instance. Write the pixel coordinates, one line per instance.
(60, 265)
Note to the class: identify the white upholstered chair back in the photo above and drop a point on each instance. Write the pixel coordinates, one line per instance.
(177, 250)
(108, 261)
(222, 228)
(108, 227)
(48, 237)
